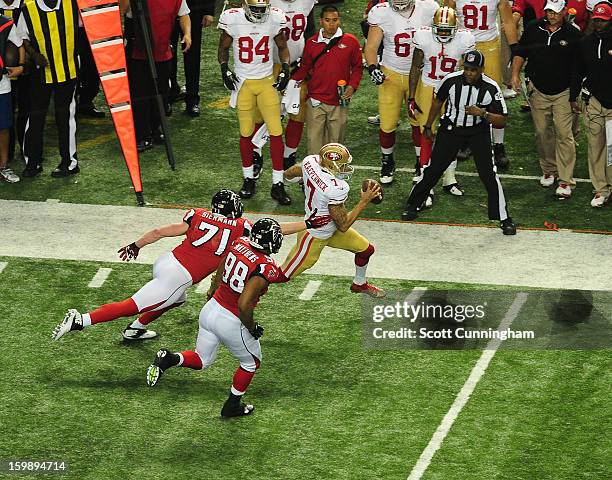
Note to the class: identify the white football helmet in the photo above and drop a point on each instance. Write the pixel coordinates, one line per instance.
(256, 11)
(336, 160)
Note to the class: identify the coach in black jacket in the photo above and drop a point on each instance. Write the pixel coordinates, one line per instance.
(549, 47)
(594, 65)
(473, 103)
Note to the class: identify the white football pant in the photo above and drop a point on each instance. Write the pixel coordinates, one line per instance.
(169, 284)
(219, 325)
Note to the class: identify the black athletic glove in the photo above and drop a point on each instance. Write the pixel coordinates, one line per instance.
(257, 331)
(229, 78)
(376, 74)
(129, 253)
(283, 78)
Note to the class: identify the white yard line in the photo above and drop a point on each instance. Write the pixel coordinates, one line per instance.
(468, 388)
(3, 266)
(404, 251)
(53, 200)
(309, 290)
(469, 174)
(100, 277)
(203, 286)
(414, 296)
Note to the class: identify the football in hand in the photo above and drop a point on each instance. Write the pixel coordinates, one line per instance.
(364, 186)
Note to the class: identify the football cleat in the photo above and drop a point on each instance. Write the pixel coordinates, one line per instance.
(73, 321)
(368, 289)
(257, 164)
(131, 333)
(232, 409)
(279, 194)
(248, 188)
(289, 161)
(374, 120)
(410, 213)
(499, 156)
(164, 359)
(387, 168)
(599, 200)
(454, 189)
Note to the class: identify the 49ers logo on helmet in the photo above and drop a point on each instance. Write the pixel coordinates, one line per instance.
(333, 156)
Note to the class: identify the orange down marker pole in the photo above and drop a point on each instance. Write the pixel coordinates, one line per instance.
(102, 21)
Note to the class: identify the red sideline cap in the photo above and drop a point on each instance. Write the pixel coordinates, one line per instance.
(602, 11)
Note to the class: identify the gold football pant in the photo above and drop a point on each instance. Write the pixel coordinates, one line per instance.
(492, 53)
(424, 98)
(255, 97)
(307, 249)
(392, 94)
(301, 115)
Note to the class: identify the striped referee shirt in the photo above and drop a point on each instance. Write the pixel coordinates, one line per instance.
(458, 95)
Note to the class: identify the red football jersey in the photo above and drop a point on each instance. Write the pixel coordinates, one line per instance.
(242, 263)
(207, 241)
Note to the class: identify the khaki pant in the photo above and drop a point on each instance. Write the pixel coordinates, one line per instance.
(595, 117)
(326, 124)
(552, 120)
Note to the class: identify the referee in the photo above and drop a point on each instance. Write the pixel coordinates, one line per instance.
(474, 103)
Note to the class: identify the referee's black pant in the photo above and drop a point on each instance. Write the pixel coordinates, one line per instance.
(445, 149)
(65, 107)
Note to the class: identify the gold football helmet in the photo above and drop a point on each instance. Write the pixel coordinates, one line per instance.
(401, 6)
(444, 24)
(256, 11)
(336, 160)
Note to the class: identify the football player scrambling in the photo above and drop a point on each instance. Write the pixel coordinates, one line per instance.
(325, 187)
(439, 48)
(394, 24)
(208, 236)
(227, 317)
(251, 30)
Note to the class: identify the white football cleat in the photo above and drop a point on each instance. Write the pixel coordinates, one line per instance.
(547, 180)
(599, 200)
(374, 120)
(454, 189)
(131, 333)
(429, 200)
(509, 93)
(72, 322)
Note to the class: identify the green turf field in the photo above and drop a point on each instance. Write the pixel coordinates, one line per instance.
(325, 406)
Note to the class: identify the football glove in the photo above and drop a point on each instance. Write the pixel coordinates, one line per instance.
(413, 107)
(229, 78)
(283, 78)
(257, 331)
(317, 222)
(129, 252)
(376, 74)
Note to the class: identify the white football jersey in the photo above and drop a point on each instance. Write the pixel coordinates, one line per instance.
(399, 31)
(296, 15)
(479, 17)
(253, 42)
(321, 190)
(440, 59)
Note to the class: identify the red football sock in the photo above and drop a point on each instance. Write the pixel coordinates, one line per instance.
(426, 146)
(242, 379)
(293, 133)
(362, 258)
(416, 136)
(148, 317)
(277, 149)
(246, 151)
(191, 360)
(112, 311)
(387, 139)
